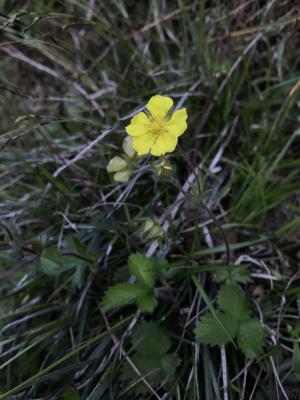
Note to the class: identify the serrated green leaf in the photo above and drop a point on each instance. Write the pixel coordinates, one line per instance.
(295, 333)
(250, 337)
(233, 302)
(234, 273)
(78, 276)
(151, 345)
(122, 274)
(169, 363)
(75, 245)
(222, 275)
(149, 340)
(156, 369)
(210, 331)
(241, 274)
(209, 304)
(147, 302)
(53, 263)
(70, 394)
(121, 294)
(145, 364)
(296, 358)
(142, 267)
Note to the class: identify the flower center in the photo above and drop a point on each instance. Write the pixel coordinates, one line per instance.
(158, 127)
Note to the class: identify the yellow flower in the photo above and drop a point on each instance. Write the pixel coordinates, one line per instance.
(156, 131)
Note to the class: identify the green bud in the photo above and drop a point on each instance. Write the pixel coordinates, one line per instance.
(116, 164)
(122, 176)
(152, 229)
(127, 147)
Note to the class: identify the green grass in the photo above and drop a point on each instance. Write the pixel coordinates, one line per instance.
(72, 74)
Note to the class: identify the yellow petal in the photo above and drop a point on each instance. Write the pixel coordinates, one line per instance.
(122, 176)
(159, 106)
(116, 164)
(165, 143)
(142, 144)
(177, 124)
(140, 118)
(139, 125)
(127, 146)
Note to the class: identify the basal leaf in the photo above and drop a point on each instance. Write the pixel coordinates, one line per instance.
(70, 394)
(169, 363)
(147, 302)
(233, 302)
(149, 340)
(78, 276)
(75, 245)
(234, 273)
(210, 331)
(295, 333)
(142, 267)
(53, 263)
(241, 274)
(296, 358)
(121, 294)
(222, 275)
(156, 369)
(49, 267)
(250, 337)
(151, 345)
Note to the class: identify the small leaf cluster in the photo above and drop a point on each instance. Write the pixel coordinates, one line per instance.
(141, 292)
(238, 274)
(151, 358)
(75, 258)
(232, 321)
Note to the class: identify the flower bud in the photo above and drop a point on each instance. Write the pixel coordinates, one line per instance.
(116, 164)
(122, 176)
(152, 230)
(127, 147)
